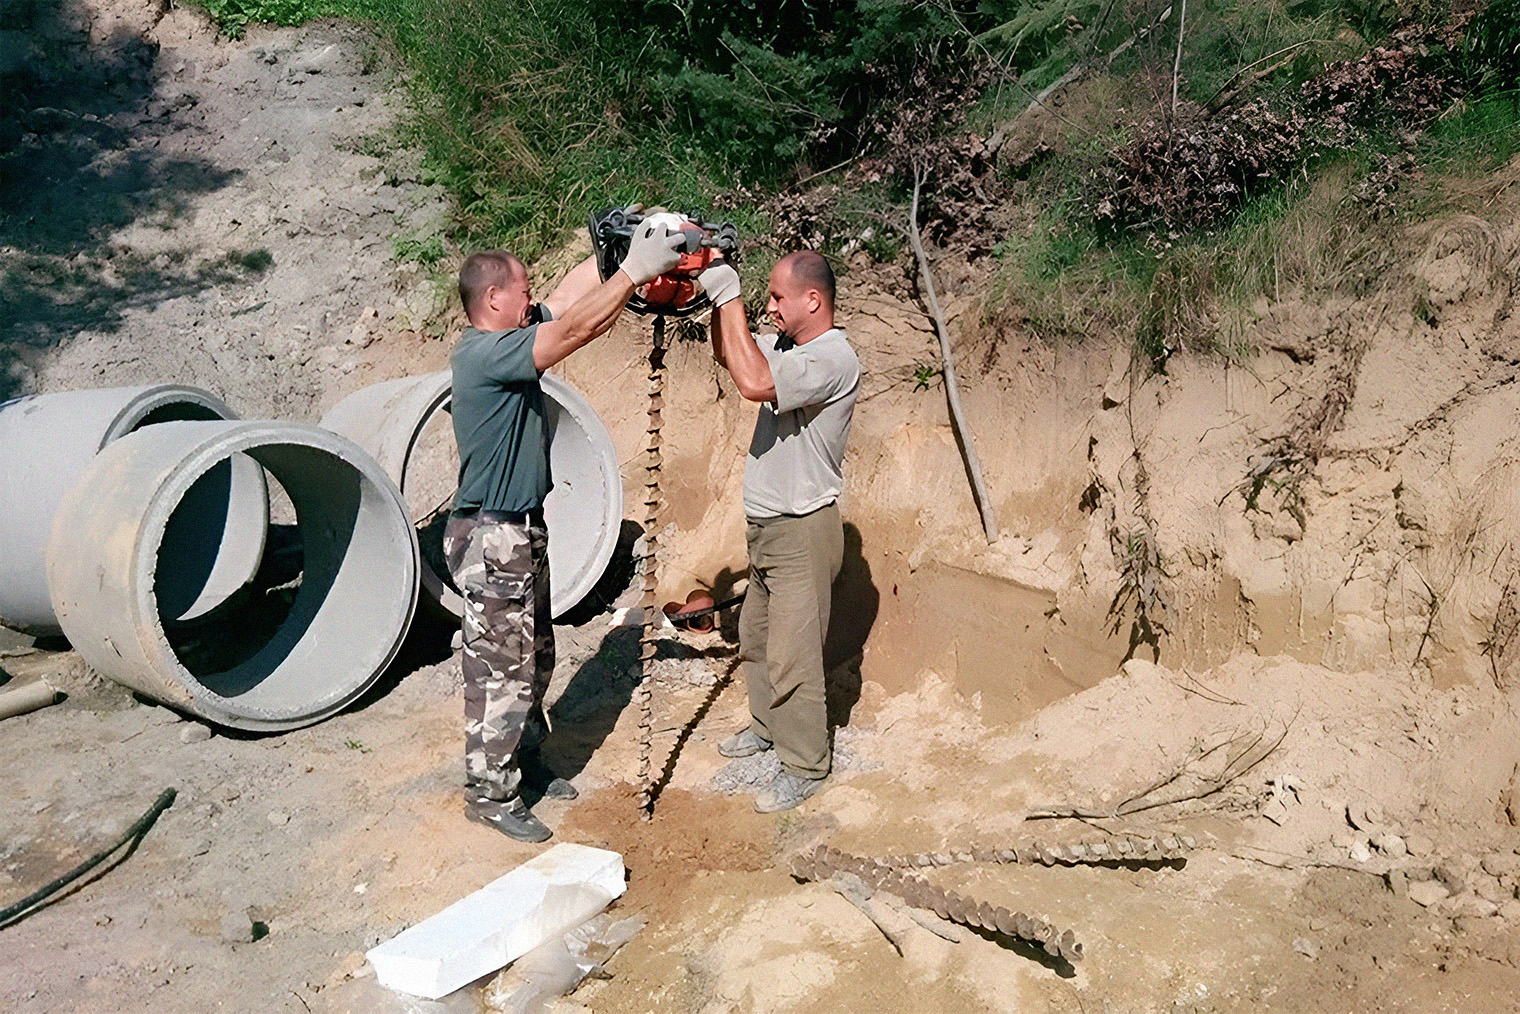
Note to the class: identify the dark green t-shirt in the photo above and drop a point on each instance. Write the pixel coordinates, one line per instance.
(499, 421)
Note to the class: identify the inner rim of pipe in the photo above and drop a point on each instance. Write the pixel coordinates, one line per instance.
(329, 606)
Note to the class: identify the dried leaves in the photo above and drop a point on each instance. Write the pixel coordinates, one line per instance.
(1193, 171)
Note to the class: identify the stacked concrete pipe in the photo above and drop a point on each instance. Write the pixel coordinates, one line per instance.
(48, 441)
(406, 425)
(113, 544)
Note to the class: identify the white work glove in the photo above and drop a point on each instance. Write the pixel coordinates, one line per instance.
(653, 251)
(720, 282)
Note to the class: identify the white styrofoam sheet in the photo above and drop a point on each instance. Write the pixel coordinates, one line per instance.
(483, 931)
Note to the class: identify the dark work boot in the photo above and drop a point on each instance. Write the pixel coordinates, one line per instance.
(512, 818)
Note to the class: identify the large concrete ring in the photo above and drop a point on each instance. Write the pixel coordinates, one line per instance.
(47, 442)
(406, 425)
(344, 622)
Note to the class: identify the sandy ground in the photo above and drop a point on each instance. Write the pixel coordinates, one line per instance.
(1329, 714)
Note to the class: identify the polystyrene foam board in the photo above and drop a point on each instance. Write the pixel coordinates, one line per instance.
(502, 921)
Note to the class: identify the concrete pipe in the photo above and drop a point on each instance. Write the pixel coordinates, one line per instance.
(406, 425)
(292, 655)
(47, 442)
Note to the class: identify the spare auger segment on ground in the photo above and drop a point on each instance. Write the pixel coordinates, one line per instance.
(823, 862)
(1119, 848)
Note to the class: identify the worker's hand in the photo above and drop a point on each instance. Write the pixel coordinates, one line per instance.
(721, 282)
(653, 251)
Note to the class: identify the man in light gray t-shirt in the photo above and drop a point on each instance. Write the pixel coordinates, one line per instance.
(795, 462)
(805, 380)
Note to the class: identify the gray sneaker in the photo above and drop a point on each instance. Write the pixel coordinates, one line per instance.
(785, 792)
(511, 818)
(744, 744)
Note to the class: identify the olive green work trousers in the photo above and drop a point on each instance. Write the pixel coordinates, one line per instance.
(793, 561)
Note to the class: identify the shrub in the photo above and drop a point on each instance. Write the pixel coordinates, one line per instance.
(1194, 171)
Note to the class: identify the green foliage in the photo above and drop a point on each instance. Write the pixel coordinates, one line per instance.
(1034, 30)
(534, 113)
(423, 247)
(1492, 47)
(233, 16)
(1482, 134)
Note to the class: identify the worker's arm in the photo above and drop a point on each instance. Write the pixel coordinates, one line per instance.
(736, 349)
(715, 329)
(587, 318)
(734, 346)
(582, 280)
(652, 252)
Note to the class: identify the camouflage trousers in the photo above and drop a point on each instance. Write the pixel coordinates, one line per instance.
(501, 568)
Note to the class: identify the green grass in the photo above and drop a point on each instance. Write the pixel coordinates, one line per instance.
(234, 16)
(535, 113)
(1478, 136)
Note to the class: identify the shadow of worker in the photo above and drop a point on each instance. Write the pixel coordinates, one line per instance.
(851, 617)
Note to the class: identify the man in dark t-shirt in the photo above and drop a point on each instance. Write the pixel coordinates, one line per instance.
(495, 542)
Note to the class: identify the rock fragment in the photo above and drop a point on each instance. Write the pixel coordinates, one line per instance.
(194, 732)
(1427, 892)
(1501, 864)
(237, 927)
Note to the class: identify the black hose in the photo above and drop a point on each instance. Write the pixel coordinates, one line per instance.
(11, 912)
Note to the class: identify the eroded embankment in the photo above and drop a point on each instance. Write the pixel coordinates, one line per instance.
(1342, 495)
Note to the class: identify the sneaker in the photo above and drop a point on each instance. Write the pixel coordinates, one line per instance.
(512, 818)
(744, 744)
(539, 777)
(785, 792)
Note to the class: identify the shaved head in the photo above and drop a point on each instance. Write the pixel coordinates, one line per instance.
(482, 270)
(810, 270)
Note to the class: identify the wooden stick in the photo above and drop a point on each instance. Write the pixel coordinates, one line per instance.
(1138, 803)
(1229, 91)
(1177, 66)
(952, 386)
(1078, 69)
(854, 890)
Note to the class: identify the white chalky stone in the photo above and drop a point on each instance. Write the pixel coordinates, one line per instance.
(1427, 892)
(502, 921)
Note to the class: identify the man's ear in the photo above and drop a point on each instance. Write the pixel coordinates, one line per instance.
(815, 301)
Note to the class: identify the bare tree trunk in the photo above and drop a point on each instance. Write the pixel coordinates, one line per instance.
(952, 386)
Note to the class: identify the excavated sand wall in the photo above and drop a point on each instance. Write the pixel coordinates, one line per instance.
(1378, 537)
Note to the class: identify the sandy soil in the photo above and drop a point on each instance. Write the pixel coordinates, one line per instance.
(1332, 689)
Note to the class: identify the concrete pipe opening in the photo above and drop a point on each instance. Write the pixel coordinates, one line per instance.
(406, 425)
(48, 441)
(334, 596)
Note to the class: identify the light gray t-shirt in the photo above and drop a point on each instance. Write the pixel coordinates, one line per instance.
(796, 458)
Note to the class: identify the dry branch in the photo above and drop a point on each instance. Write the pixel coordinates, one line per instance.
(854, 890)
(952, 386)
(1177, 66)
(1247, 757)
(1234, 87)
(1078, 70)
